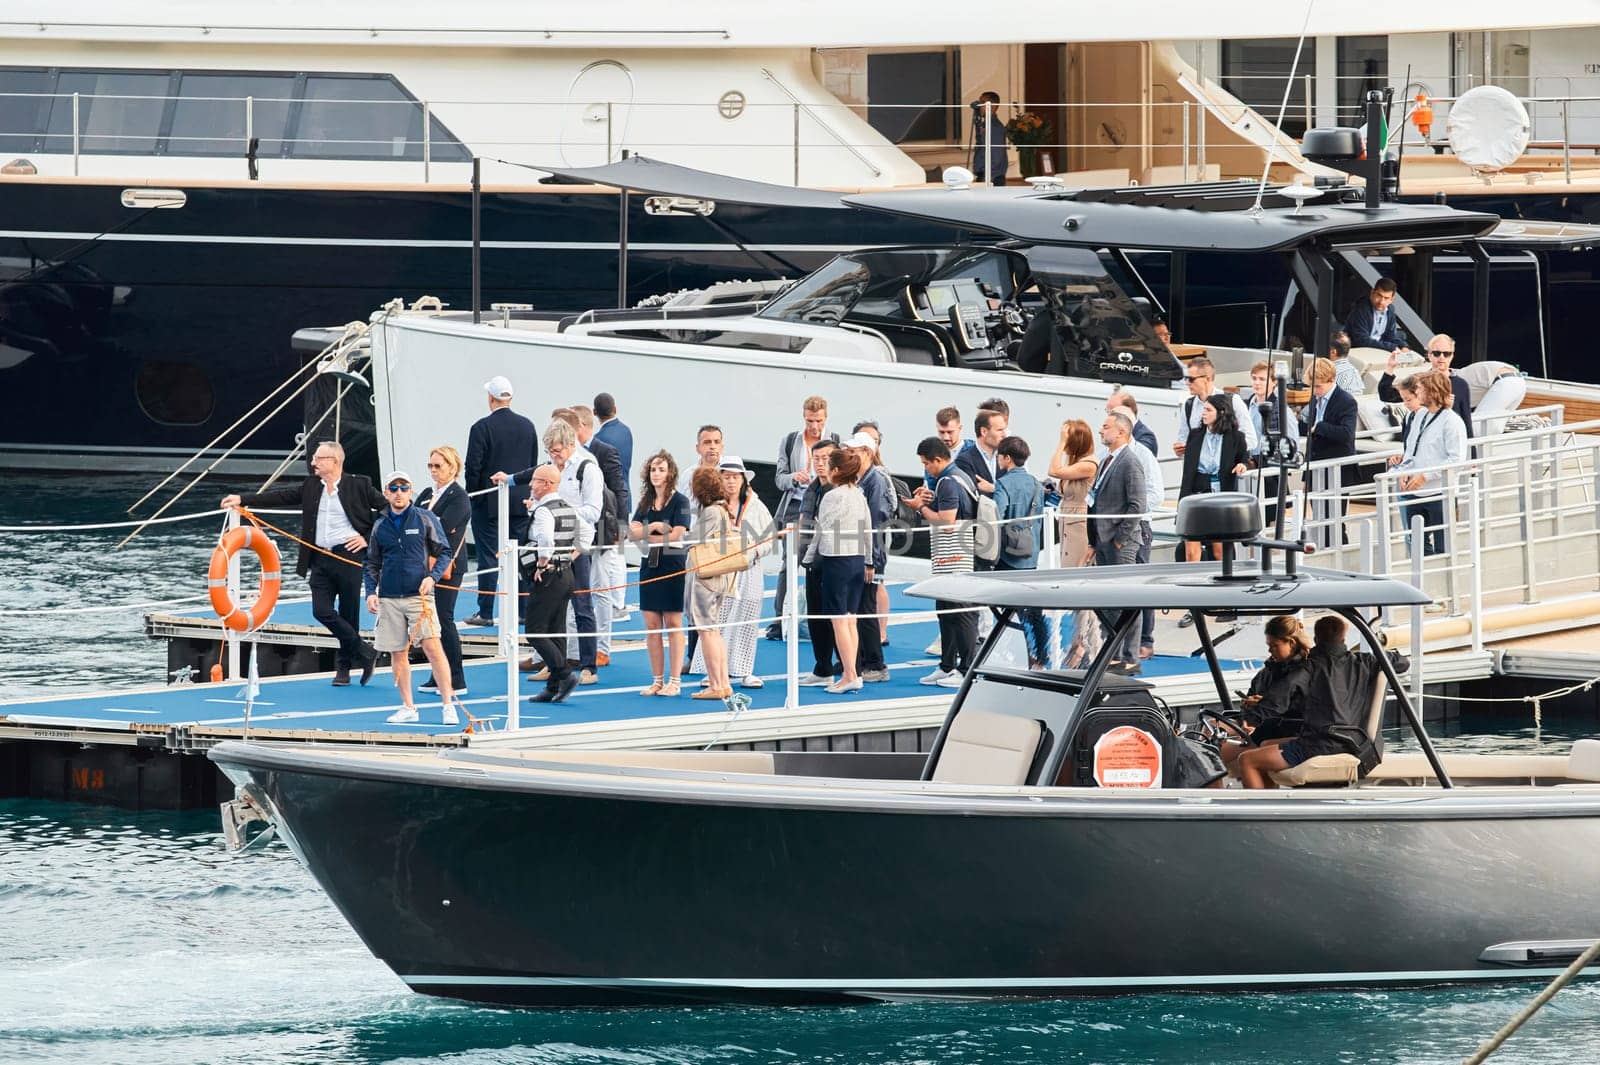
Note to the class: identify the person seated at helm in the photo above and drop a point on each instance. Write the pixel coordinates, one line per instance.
(1338, 683)
(1271, 710)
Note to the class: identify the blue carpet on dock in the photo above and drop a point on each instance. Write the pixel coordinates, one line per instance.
(305, 703)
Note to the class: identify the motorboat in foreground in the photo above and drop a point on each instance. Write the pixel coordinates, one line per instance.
(1038, 849)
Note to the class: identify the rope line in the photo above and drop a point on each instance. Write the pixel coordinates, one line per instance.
(94, 527)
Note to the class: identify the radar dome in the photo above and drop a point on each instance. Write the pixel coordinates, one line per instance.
(1488, 129)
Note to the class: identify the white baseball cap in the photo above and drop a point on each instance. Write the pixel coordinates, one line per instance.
(862, 439)
(498, 386)
(398, 475)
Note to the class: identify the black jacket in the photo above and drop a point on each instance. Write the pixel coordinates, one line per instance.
(454, 511)
(1234, 451)
(972, 462)
(1338, 693)
(500, 442)
(359, 496)
(1282, 687)
(1335, 437)
(1458, 388)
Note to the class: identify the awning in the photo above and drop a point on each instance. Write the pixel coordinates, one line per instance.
(1172, 586)
(641, 174)
(1534, 235)
(1054, 218)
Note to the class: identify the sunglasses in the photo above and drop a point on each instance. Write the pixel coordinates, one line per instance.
(1196, 377)
(399, 486)
(1445, 354)
(435, 465)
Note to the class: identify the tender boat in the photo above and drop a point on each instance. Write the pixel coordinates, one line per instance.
(1038, 849)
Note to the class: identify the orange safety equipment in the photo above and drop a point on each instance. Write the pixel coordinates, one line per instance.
(233, 617)
(1422, 115)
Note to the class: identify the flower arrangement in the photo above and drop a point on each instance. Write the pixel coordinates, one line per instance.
(1027, 128)
(1028, 131)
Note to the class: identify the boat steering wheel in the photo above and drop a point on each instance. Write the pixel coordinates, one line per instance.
(1224, 723)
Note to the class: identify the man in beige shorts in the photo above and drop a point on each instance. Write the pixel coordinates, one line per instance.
(407, 554)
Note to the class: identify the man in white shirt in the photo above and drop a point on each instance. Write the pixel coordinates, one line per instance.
(1201, 377)
(583, 486)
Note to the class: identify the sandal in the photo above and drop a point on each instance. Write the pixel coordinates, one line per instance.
(708, 693)
(656, 688)
(671, 688)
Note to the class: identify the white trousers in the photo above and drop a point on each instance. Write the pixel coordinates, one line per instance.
(613, 570)
(1506, 394)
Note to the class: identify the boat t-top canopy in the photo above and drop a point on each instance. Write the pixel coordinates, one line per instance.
(1082, 219)
(1173, 586)
(638, 173)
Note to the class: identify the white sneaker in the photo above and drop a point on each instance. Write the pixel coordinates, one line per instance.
(842, 688)
(406, 715)
(752, 681)
(950, 680)
(450, 717)
(938, 676)
(932, 649)
(811, 680)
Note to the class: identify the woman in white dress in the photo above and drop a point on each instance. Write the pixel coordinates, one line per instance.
(741, 611)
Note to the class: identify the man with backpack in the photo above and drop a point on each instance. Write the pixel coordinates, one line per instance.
(949, 507)
(793, 475)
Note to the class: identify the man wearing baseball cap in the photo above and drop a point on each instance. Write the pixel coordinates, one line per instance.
(406, 557)
(500, 440)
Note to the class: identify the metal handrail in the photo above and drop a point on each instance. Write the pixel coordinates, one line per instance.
(799, 106)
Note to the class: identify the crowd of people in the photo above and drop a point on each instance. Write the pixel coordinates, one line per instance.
(702, 530)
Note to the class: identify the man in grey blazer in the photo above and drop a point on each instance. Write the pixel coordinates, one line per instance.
(1118, 489)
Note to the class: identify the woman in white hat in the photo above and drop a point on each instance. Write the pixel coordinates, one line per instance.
(741, 611)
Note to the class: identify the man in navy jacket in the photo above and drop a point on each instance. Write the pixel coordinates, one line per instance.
(1373, 323)
(501, 440)
(406, 556)
(1441, 352)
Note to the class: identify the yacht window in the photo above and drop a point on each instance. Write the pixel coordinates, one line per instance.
(208, 117)
(174, 393)
(1363, 64)
(911, 96)
(24, 108)
(119, 112)
(823, 298)
(346, 117)
(1255, 70)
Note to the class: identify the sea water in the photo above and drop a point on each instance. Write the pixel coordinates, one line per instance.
(136, 938)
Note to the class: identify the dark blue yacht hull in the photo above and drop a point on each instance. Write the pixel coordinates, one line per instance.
(586, 892)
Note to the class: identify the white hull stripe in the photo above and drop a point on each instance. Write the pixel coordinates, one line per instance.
(1018, 983)
(368, 242)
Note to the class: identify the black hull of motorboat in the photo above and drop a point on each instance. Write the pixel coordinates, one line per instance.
(574, 894)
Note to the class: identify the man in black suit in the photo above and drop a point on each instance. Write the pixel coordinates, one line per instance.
(501, 440)
(336, 510)
(1328, 426)
(1118, 498)
(1373, 323)
(1441, 353)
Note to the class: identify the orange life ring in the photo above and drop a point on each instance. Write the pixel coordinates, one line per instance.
(233, 541)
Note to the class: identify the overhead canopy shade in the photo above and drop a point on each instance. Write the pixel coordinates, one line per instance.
(1185, 586)
(1533, 235)
(1062, 219)
(641, 174)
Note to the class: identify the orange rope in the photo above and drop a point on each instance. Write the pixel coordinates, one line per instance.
(262, 522)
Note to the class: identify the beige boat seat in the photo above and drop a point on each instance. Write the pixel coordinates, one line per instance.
(1332, 769)
(983, 747)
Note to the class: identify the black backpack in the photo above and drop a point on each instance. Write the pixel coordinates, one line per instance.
(609, 528)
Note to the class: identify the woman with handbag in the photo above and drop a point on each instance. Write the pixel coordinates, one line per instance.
(449, 503)
(715, 561)
(659, 525)
(1019, 498)
(742, 609)
(840, 551)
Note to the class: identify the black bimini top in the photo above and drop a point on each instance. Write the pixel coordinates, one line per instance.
(1065, 218)
(640, 174)
(1174, 586)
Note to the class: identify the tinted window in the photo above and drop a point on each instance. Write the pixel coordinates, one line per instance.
(921, 85)
(357, 118)
(1363, 65)
(117, 112)
(1255, 72)
(23, 116)
(209, 115)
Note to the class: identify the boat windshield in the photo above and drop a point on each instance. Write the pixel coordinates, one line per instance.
(882, 283)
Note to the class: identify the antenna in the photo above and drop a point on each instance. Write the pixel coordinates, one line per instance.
(1283, 109)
